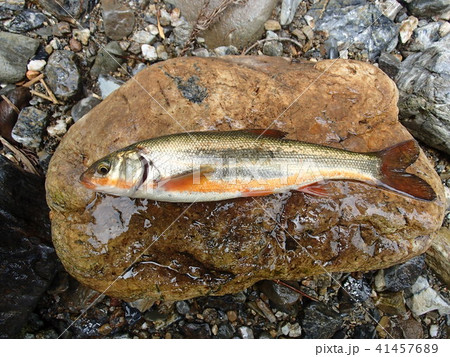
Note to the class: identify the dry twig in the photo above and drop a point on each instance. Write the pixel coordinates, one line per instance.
(6, 99)
(21, 156)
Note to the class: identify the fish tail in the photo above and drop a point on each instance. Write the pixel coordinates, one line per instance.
(394, 161)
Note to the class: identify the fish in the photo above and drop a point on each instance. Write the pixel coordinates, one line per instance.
(220, 165)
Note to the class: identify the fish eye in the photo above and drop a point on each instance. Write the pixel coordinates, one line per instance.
(103, 168)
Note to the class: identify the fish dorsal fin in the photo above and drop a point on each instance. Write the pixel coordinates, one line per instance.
(270, 133)
(185, 180)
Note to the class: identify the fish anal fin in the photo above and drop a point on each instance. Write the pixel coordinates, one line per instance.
(270, 133)
(257, 193)
(315, 189)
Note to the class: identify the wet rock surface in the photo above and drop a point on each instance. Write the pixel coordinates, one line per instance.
(27, 260)
(62, 74)
(346, 22)
(30, 127)
(424, 104)
(375, 232)
(15, 52)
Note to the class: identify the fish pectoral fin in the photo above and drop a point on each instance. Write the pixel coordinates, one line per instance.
(270, 133)
(186, 180)
(316, 189)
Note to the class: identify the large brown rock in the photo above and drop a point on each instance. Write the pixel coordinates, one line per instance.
(138, 248)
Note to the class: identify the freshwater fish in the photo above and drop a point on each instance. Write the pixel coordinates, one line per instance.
(214, 166)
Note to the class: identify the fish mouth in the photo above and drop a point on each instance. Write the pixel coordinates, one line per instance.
(86, 182)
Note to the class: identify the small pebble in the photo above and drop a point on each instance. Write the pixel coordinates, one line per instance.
(36, 65)
(75, 45)
(59, 129)
(164, 18)
(407, 28)
(149, 52)
(272, 25)
(232, 316)
(82, 36)
(246, 332)
(444, 30)
(434, 330)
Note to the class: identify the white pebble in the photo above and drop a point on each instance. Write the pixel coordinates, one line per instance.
(434, 329)
(407, 28)
(149, 52)
(60, 128)
(36, 65)
(82, 36)
(444, 30)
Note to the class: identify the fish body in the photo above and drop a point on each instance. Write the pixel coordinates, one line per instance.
(214, 166)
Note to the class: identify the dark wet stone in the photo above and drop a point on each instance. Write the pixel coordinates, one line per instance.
(108, 59)
(366, 331)
(27, 20)
(132, 315)
(400, 277)
(353, 21)
(425, 104)
(30, 127)
(27, 260)
(195, 330)
(15, 51)
(225, 331)
(190, 89)
(83, 106)
(280, 296)
(67, 9)
(358, 289)
(320, 321)
(389, 64)
(391, 303)
(428, 8)
(62, 74)
(182, 307)
(20, 97)
(224, 303)
(118, 19)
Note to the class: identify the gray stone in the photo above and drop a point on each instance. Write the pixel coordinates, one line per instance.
(428, 8)
(273, 48)
(12, 4)
(108, 59)
(143, 37)
(83, 107)
(389, 64)
(30, 127)
(182, 307)
(62, 74)
(421, 298)
(424, 86)
(15, 51)
(66, 9)
(279, 295)
(246, 332)
(358, 289)
(288, 9)
(200, 52)
(424, 36)
(118, 19)
(149, 53)
(352, 21)
(182, 32)
(226, 330)
(25, 21)
(320, 321)
(401, 276)
(389, 8)
(239, 25)
(226, 51)
(108, 84)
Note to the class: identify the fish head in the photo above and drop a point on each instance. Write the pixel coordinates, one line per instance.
(118, 174)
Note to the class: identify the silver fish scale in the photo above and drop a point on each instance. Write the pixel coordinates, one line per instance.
(242, 154)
